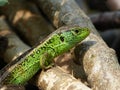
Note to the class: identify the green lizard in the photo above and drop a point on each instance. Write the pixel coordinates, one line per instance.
(24, 67)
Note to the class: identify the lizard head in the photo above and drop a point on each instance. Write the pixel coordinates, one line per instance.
(67, 37)
(74, 35)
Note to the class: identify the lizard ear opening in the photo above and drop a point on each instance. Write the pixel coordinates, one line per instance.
(62, 39)
(76, 31)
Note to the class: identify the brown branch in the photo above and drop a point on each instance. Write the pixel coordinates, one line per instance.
(15, 46)
(99, 61)
(12, 87)
(104, 5)
(98, 4)
(106, 20)
(56, 79)
(3, 44)
(113, 4)
(83, 5)
(112, 38)
(27, 19)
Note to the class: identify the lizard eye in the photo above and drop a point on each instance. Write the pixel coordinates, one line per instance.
(76, 31)
(62, 39)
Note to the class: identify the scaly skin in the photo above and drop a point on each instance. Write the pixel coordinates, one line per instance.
(23, 68)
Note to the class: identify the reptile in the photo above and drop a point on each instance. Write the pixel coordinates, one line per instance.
(20, 70)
